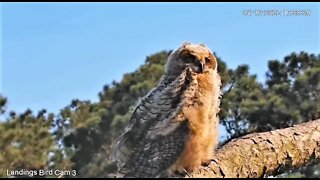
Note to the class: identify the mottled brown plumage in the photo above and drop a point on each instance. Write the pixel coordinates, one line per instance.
(175, 127)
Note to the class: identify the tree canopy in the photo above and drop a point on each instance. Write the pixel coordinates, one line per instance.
(79, 137)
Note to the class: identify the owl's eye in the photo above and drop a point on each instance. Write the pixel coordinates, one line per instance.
(207, 60)
(187, 57)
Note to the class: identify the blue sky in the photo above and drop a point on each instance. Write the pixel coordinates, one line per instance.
(54, 52)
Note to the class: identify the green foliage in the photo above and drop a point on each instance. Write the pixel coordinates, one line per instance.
(290, 96)
(3, 102)
(25, 142)
(241, 102)
(293, 87)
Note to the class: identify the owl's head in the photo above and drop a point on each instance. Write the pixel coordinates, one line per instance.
(196, 56)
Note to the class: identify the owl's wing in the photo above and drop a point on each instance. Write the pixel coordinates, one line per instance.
(155, 156)
(154, 120)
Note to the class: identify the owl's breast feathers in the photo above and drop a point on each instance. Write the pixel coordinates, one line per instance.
(201, 111)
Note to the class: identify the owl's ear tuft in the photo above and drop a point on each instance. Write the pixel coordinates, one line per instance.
(186, 43)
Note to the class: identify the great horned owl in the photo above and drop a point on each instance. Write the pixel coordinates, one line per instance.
(174, 128)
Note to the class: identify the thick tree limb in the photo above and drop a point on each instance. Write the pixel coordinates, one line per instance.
(268, 153)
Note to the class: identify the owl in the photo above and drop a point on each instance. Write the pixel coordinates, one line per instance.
(174, 128)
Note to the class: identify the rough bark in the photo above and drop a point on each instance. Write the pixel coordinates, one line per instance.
(269, 153)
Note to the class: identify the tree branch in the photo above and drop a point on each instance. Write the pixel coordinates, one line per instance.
(267, 153)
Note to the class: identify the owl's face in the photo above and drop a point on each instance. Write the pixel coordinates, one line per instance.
(198, 57)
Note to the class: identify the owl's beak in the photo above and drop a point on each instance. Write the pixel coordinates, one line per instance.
(198, 66)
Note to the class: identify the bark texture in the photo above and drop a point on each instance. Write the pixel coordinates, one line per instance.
(268, 153)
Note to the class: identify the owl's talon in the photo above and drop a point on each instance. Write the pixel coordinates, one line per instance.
(206, 163)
